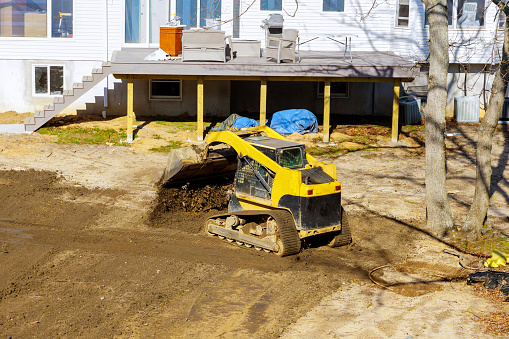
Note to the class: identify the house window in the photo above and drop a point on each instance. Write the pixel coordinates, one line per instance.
(165, 90)
(337, 89)
(30, 19)
(48, 80)
(159, 16)
(470, 14)
(135, 21)
(210, 13)
(464, 14)
(402, 12)
(23, 18)
(501, 20)
(187, 11)
(271, 5)
(333, 5)
(236, 18)
(61, 14)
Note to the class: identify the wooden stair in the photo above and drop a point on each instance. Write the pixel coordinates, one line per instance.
(69, 96)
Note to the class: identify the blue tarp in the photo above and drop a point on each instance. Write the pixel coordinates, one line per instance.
(294, 120)
(235, 122)
(241, 122)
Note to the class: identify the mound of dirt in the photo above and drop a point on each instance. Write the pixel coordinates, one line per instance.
(185, 206)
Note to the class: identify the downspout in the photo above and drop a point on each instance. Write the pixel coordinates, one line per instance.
(484, 90)
(105, 96)
(373, 99)
(465, 82)
(391, 29)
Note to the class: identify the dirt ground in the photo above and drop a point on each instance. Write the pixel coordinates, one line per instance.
(83, 254)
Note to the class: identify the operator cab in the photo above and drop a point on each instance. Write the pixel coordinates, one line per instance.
(286, 153)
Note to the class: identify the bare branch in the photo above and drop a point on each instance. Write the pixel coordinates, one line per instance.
(502, 5)
(374, 5)
(294, 12)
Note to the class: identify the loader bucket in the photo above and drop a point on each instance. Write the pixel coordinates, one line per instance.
(197, 163)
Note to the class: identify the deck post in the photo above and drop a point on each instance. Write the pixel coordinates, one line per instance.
(263, 101)
(326, 110)
(199, 109)
(395, 111)
(130, 111)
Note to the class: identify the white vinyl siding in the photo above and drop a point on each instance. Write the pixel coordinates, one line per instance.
(311, 21)
(470, 45)
(98, 30)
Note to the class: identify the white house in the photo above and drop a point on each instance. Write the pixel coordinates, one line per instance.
(47, 45)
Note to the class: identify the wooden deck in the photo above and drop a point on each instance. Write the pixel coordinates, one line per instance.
(313, 66)
(323, 66)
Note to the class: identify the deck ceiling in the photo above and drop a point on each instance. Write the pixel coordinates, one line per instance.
(365, 66)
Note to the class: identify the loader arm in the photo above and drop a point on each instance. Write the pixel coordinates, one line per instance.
(288, 181)
(243, 148)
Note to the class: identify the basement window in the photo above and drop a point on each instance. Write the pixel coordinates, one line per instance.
(48, 80)
(337, 89)
(165, 90)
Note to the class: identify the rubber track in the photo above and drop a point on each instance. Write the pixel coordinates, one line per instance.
(345, 237)
(285, 223)
(287, 232)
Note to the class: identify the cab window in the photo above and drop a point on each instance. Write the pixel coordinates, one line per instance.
(291, 157)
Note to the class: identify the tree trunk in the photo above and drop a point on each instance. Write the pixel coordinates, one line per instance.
(439, 218)
(479, 208)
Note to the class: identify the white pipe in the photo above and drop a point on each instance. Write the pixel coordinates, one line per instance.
(173, 9)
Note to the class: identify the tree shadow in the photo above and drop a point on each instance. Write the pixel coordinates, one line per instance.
(497, 177)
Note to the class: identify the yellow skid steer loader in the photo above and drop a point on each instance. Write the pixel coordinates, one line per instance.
(282, 194)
